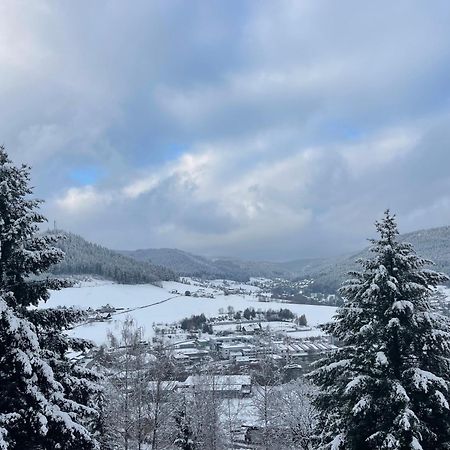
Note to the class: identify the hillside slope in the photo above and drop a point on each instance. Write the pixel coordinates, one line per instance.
(179, 261)
(329, 273)
(152, 265)
(434, 244)
(188, 264)
(85, 258)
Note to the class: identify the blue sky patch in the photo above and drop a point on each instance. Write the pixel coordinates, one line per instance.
(86, 175)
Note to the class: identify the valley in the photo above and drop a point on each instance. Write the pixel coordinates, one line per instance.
(146, 304)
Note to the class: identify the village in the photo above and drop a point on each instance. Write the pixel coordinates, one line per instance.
(243, 341)
(254, 347)
(235, 341)
(231, 357)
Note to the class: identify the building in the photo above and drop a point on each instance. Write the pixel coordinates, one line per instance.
(162, 390)
(227, 350)
(225, 386)
(190, 354)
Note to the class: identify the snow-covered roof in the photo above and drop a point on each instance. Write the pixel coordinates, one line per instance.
(190, 351)
(168, 385)
(218, 382)
(243, 359)
(233, 346)
(180, 356)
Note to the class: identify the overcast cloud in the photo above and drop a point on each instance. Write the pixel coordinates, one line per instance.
(258, 129)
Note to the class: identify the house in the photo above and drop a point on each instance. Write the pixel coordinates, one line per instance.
(162, 390)
(203, 343)
(181, 358)
(251, 328)
(185, 344)
(225, 386)
(293, 371)
(193, 354)
(245, 361)
(228, 349)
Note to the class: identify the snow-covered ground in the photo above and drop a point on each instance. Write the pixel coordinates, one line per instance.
(148, 311)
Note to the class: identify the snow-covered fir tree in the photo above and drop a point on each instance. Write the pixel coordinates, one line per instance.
(387, 386)
(45, 401)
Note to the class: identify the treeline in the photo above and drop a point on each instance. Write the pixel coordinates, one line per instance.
(85, 258)
(271, 316)
(195, 323)
(282, 314)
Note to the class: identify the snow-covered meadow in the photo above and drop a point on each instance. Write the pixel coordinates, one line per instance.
(141, 303)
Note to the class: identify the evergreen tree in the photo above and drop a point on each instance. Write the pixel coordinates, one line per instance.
(185, 435)
(387, 386)
(45, 401)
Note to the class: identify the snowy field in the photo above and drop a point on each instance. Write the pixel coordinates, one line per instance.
(170, 309)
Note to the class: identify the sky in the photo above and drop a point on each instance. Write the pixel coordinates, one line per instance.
(254, 129)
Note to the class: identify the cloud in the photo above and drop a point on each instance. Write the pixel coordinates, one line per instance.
(83, 199)
(140, 186)
(210, 201)
(257, 129)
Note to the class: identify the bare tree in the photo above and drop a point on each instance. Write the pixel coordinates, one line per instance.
(203, 402)
(127, 385)
(231, 411)
(161, 397)
(267, 378)
(295, 415)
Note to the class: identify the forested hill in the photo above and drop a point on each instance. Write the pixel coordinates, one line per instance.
(152, 265)
(181, 262)
(329, 273)
(434, 244)
(188, 264)
(85, 258)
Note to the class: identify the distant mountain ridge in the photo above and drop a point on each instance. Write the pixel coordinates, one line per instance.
(153, 265)
(85, 258)
(327, 273)
(188, 264)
